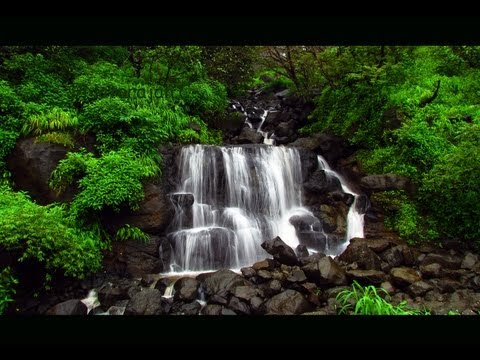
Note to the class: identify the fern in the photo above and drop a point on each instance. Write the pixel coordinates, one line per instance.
(128, 232)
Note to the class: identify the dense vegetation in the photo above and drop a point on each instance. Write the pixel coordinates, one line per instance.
(413, 111)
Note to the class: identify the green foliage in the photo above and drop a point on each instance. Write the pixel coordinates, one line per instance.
(60, 138)
(47, 235)
(368, 300)
(7, 288)
(128, 232)
(204, 98)
(54, 120)
(112, 181)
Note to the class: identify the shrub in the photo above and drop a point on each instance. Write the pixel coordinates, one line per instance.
(7, 288)
(53, 120)
(366, 300)
(128, 232)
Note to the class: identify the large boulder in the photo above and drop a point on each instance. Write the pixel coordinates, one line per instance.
(325, 272)
(250, 136)
(404, 276)
(69, 307)
(366, 277)
(145, 302)
(223, 281)
(31, 164)
(360, 253)
(155, 213)
(289, 302)
(447, 261)
(385, 182)
(186, 289)
(280, 251)
(331, 147)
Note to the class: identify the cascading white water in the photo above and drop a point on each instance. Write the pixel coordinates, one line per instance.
(243, 195)
(355, 220)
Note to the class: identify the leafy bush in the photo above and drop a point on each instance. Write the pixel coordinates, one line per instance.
(367, 300)
(55, 119)
(7, 288)
(60, 138)
(112, 181)
(48, 235)
(204, 98)
(128, 232)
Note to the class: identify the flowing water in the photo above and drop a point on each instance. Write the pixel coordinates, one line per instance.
(242, 196)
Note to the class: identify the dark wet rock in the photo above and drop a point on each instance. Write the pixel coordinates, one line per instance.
(419, 288)
(223, 280)
(297, 276)
(325, 272)
(447, 261)
(218, 299)
(267, 264)
(393, 256)
(404, 276)
(248, 272)
(256, 303)
(264, 274)
(69, 307)
(366, 277)
(186, 289)
(110, 293)
(212, 309)
(245, 292)
(358, 251)
(192, 308)
(388, 287)
(311, 259)
(431, 270)
(145, 302)
(289, 302)
(446, 285)
(301, 251)
(281, 252)
(469, 261)
(31, 163)
(305, 223)
(386, 182)
(249, 136)
(238, 306)
(226, 311)
(182, 200)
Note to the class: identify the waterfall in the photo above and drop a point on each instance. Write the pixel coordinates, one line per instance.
(354, 218)
(242, 195)
(239, 197)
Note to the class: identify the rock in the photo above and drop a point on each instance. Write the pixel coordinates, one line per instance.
(192, 308)
(212, 309)
(139, 258)
(366, 277)
(223, 281)
(297, 276)
(305, 223)
(267, 264)
(245, 292)
(419, 288)
(358, 251)
(256, 303)
(281, 252)
(289, 302)
(409, 255)
(320, 183)
(325, 272)
(109, 293)
(431, 271)
(248, 272)
(388, 287)
(311, 259)
(330, 146)
(165, 254)
(403, 276)
(315, 240)
(156, 211)
(469, 261)
(393, 256)
(145, 302)
(376, 245)
(264, 274)
(186, 289)
(69, 307)
(362, 204)
(386, 182)
(227, 312)
(249, 136)
(238, 306)
(217, 299)
(447, 261)
(446, 285)
(301, 251)
(31, 163)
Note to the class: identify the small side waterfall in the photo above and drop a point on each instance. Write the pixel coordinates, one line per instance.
(233, 198)
(355, 219)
